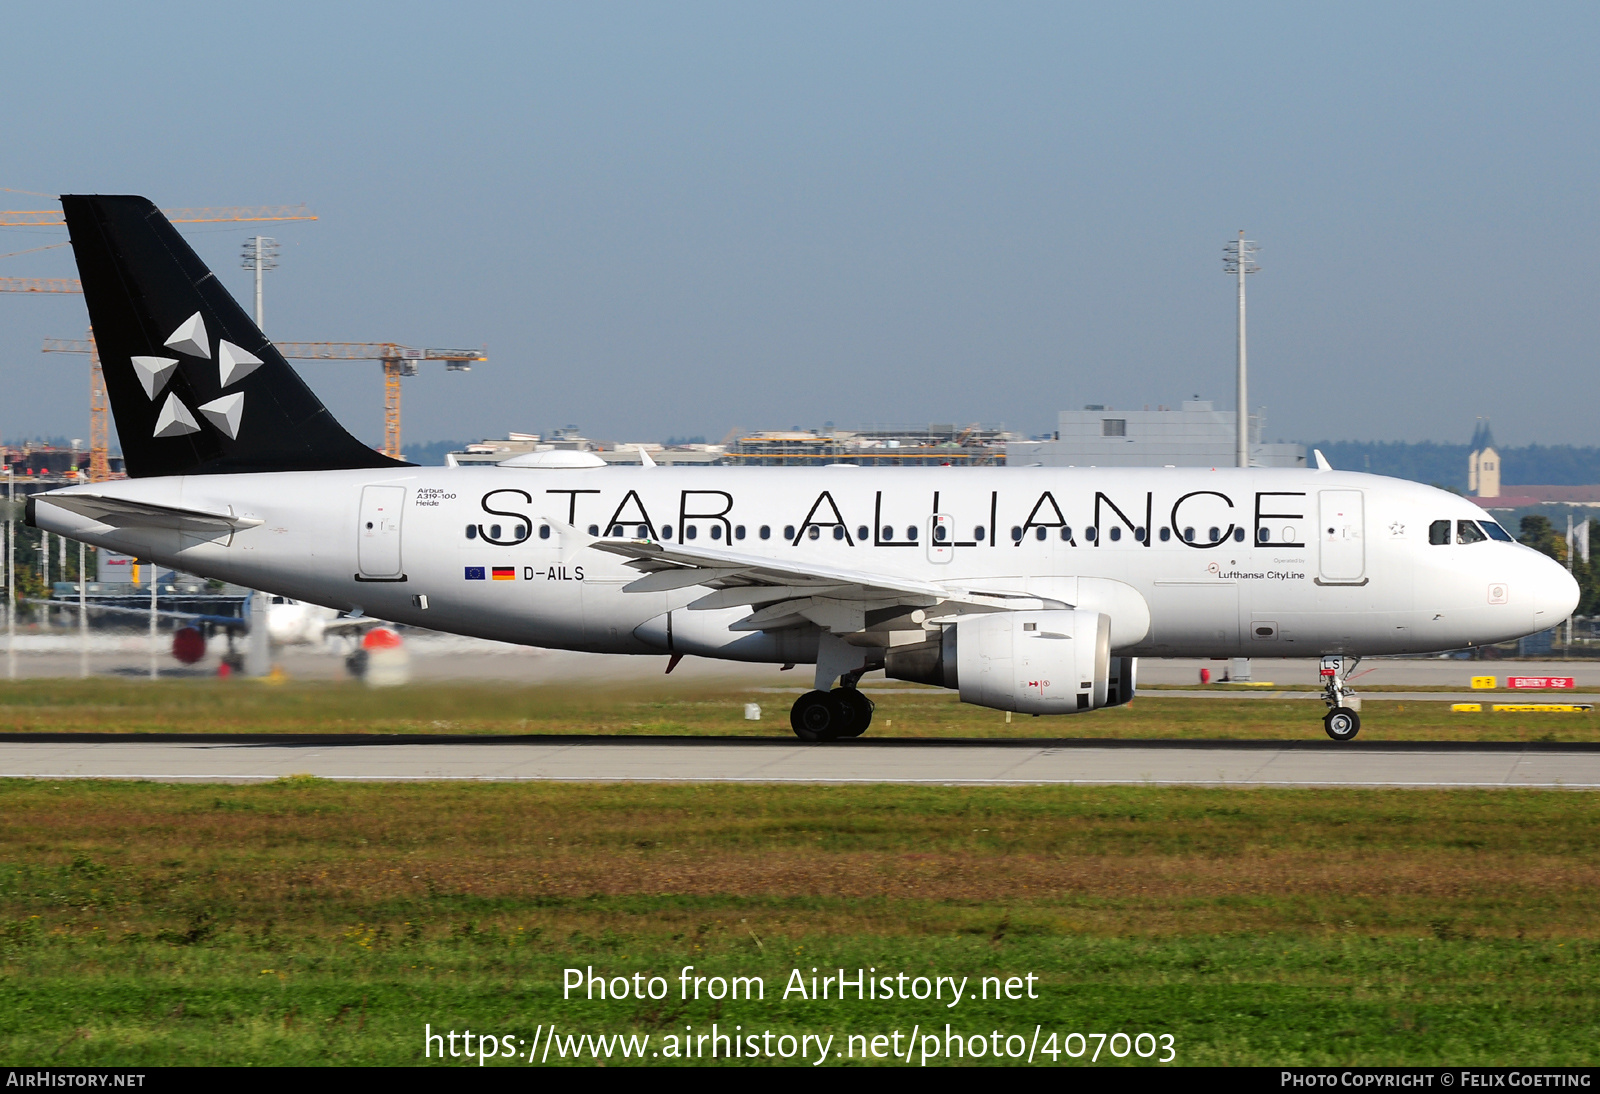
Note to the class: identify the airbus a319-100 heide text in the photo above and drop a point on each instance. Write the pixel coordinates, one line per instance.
(1027, 589)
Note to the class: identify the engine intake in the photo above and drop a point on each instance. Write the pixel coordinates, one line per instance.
(1041, 662)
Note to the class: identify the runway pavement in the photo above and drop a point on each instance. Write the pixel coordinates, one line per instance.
(611, 759)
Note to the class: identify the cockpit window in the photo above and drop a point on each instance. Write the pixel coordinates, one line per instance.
(1496, 532)
(1439, 533)
(1467, 531)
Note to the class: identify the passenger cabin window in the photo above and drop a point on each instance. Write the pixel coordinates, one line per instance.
(544, 531)
(1066, 533)
(738, 531)
(1467, 531)
(1439, 533)
(1113, 427)
(472, 531)
(1496, 532)
(788, 531)
(1166, 534)
(766, 531)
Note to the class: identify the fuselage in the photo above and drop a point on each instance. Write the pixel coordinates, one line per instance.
(1263, 562)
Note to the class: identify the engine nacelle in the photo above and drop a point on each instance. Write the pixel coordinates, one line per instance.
(1041, 662)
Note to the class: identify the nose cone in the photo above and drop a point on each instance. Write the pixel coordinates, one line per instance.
(1555, 595)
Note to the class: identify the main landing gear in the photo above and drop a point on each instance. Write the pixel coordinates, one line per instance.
(1343, 720)
(830, 715)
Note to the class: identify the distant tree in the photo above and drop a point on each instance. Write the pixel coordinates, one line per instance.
(1589, 579)
(1445, 465)
(1537, 532)
(1541, 534)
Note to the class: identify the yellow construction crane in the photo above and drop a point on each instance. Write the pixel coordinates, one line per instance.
(41, 284)
(398, 361)
(221, 214)
(99, 431)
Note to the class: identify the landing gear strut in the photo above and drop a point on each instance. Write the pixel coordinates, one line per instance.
(1342, 722)
(830, 715)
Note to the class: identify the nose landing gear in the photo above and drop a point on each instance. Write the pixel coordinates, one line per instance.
(1343, 720)
(830, 715)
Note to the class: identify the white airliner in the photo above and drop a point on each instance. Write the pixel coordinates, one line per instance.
(1027, 589)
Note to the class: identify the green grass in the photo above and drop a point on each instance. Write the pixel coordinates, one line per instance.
(314, 922)
(211, 706)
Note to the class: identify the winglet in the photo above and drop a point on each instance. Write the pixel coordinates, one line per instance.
(644, 457)
(1322, 461)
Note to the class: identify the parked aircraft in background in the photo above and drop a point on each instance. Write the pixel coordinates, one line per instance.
(290, 622)
(1029, 590)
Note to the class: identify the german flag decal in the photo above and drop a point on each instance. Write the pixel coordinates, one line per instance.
(505, 573)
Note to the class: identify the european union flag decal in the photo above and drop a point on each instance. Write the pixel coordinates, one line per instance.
(475, 573)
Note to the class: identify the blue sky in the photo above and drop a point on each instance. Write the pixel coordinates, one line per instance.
(684, 218)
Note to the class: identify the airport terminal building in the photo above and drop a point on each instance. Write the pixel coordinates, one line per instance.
(1197, 435)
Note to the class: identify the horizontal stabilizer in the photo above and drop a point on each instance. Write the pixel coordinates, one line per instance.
(125, 513)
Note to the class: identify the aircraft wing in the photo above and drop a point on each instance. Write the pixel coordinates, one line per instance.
(227, 622)
(126, 513)
(352, 623)
(674, 566)
(784, 593)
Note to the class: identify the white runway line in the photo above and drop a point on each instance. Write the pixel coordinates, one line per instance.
(949, 764)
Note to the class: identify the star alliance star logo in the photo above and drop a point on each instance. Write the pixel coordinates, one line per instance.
(1397, 530)
(233, 364)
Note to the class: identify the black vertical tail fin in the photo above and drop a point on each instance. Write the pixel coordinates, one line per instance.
(195, 386)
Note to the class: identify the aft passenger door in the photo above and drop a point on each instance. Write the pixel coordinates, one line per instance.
(1342, 535)
(378, 534)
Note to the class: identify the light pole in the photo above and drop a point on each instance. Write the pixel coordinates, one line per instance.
(83, 614)
(260, 254)
(11, 572)
(1238, 258)
(155, 580)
